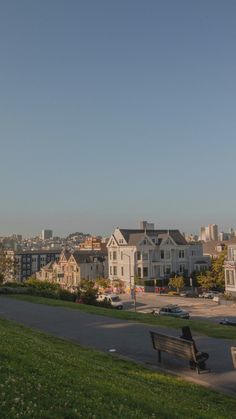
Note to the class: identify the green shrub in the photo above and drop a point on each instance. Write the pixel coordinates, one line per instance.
(66, 295)
(41, 285)
(15, 284)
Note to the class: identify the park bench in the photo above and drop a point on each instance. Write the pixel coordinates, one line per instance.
(178, 347)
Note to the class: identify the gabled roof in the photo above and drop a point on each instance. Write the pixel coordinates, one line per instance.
(49, 265)
(88, 257)
(133, 237)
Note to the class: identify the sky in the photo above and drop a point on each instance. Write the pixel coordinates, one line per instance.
(112, 112)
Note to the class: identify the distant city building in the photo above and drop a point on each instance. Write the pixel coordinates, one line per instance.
(144, 225)
(94, 243)
(209, 233)
(47, 234)
(224, 236)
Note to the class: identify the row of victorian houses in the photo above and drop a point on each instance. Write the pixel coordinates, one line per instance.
(146, 253)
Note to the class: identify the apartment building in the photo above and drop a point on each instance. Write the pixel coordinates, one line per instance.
(152, 254)
(29, 262)
(209, 233)
(230, 270)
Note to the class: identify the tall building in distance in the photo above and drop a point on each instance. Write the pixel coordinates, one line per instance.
(209, 233)
(47, 234)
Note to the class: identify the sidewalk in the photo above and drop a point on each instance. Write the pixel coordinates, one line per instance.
(126, 339)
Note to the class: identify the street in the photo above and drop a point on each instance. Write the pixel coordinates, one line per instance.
(198, 308)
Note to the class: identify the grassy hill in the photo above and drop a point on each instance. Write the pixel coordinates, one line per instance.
(46, 377)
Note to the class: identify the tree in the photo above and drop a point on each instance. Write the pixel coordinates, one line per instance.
(86, 291)
(103, 282)
(7, 266)
(217, 268)
(214, 277)
(206, 279)
(177, 282)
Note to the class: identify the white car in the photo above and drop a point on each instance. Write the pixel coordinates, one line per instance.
(113, 299)
(209, 294)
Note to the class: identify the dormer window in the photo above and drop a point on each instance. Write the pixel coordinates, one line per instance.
(144, 241)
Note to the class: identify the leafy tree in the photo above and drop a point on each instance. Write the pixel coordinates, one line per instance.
(217, 268)
(103, 282)
(177, 282)
(214, 277)
(7, 266)
(87, 293)
(206, 279)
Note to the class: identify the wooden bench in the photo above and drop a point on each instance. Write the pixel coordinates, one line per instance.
(178, 347)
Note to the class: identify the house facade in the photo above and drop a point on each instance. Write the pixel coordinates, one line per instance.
(71, 268)
(230, 270)
(152, 254)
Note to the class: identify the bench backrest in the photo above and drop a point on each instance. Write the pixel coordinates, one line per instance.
(179, 347)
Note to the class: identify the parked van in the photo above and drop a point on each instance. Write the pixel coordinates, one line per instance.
(113, 299)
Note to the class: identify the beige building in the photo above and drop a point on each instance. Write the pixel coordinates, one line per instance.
(72, 268)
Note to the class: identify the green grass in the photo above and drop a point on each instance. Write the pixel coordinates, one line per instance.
(200, 326)
(46, 377)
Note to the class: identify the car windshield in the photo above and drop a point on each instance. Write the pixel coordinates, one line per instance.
(115, 299)
(176, 310)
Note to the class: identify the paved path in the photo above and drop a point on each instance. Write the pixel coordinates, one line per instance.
(130, 340)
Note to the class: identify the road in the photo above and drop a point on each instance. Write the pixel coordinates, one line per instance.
(197, 307)
(127, 339)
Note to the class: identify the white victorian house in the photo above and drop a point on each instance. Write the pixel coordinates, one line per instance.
(230, 270)
(152, 254)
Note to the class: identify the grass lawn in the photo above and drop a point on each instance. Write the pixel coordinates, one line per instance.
(46, 377)
(200, 326)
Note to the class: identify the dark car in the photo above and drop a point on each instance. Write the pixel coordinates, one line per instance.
(174, 311)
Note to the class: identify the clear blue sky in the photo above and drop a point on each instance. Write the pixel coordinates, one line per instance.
(116, 111)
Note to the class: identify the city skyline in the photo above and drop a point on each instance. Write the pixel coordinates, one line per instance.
(114, 112)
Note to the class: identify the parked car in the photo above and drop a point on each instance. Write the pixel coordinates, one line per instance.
(113, 299)
(228, 322)
(174, 311)
(188, 294)
(209, 294)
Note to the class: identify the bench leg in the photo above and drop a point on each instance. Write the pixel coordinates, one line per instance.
(159, 356)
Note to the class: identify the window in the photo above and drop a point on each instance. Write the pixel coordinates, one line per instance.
(111, 255)
(110, 270)
(114, 256)
(121, 255)
(181, 267)
(162, 254)
(145, 256)
(122, 271)
(167, 254)
(114, 270)
(144, 241)
(145, 272)
(181, 254)
(138, 255)
(139, 272)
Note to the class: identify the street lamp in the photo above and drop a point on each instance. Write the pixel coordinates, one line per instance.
(132, 291)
